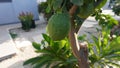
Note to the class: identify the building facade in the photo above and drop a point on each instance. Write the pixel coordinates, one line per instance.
(10, 9)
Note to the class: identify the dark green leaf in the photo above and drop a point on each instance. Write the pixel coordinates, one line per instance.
(100, 5)
(78, 2)
(57, 4)
(57, 65)
(48, 9)
(36, 45)
(95, 50)
(48, 65)
(82, 37)
(47, 38)
(45, 51)
(31, 60)
(112, 56)
(115, 44)
(42, 62)
(113, 63)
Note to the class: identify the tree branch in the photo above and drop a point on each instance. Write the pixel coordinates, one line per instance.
(72, 32)
(79, 53)
(83, 63)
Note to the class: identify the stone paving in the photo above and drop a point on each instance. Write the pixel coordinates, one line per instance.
(7, 46)
(14, 53)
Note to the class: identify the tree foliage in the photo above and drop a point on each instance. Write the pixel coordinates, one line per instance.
(79, 11)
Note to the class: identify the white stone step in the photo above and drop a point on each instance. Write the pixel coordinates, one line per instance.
(7, 47)
(7, 50)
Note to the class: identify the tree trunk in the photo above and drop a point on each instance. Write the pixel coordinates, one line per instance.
(79, 50)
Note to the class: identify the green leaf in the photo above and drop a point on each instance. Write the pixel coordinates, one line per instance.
(42, 62)
(48, 65)
(105, 41)
(57, 4)
(77, 2)
(56, 65)
(47, 38)
(83, 37)
(62, 43)
(72, 59)
(31, 60)
(96, 41)
(48, 9)
(36, 45)
(115, 44)
(112, 56)
(95, 50)
(45, 51)
(101, 4)
(113, 63)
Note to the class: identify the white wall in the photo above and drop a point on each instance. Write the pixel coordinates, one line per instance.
(39, 1)
(6, 13)
(9, 11)
(26, 6)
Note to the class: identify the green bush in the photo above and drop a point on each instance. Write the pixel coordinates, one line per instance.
(57, 54)
(53, 54)
(103, 51)
(116, 7)
(26, 20)
(42, 8)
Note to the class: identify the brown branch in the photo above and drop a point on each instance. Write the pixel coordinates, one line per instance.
(79, 53)
(73, 10)
(72, 31)
(83, 63)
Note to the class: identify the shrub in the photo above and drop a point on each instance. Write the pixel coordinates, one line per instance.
(116, 7)
(26, 20)
(42, 8)
(53, 54)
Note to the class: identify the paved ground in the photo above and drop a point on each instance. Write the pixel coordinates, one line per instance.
(22, 49)
(7, 46)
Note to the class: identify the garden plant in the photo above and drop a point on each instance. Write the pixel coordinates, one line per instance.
(42, 9)
(60, 48)
(116, 7)
(26, 20)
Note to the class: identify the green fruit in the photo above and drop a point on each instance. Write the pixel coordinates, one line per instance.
(58, 26)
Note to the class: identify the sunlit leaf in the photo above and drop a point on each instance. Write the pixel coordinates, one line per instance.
(101, 4)
(47, 38)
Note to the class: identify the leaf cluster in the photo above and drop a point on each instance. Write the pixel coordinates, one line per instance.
(53, 54)
(103, 51)
(106, 21)
(115, 5)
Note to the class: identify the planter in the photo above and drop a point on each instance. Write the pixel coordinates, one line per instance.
(33, 25)
(26, 20)
(26, 25)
